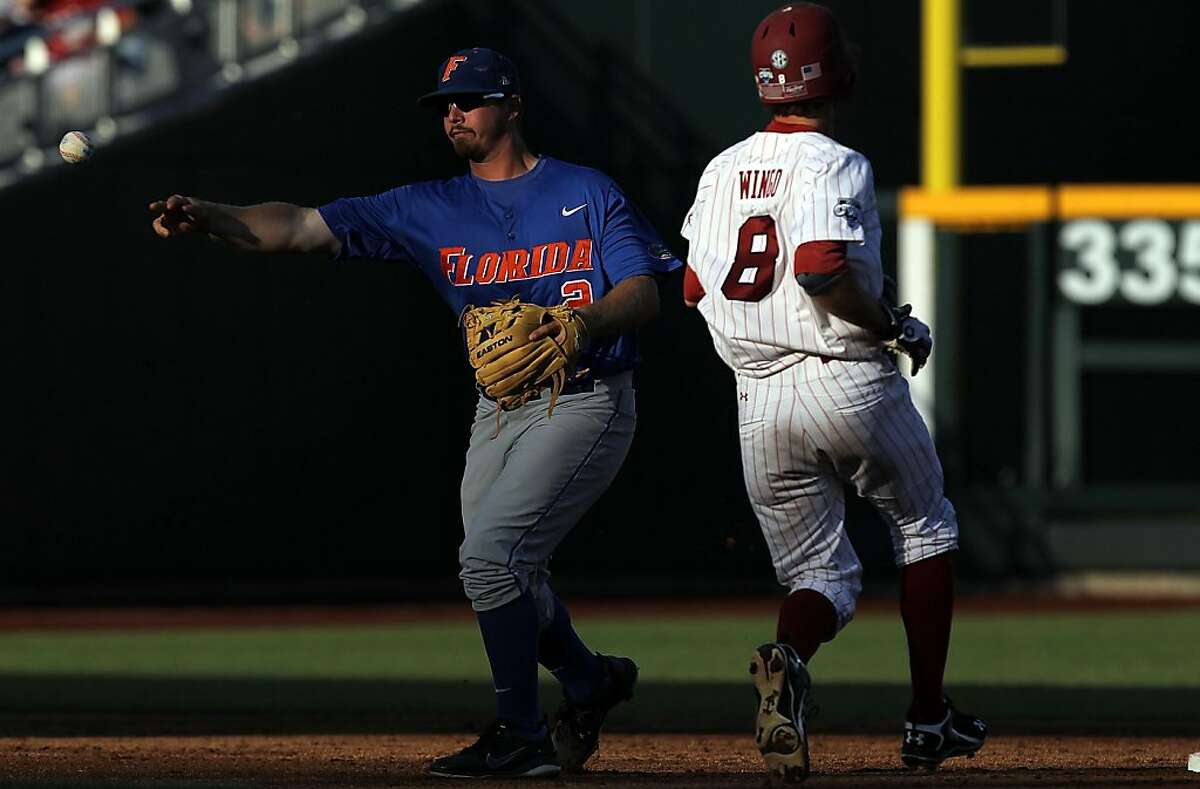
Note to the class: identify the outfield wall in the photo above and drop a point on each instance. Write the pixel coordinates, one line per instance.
(176, 416)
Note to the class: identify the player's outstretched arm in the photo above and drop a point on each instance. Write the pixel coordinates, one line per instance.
(267, 227)
(624, 309)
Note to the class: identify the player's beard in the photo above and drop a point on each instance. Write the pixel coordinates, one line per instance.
(467, 145)
(477, 143)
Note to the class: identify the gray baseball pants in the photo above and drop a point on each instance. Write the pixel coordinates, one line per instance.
(525, 489)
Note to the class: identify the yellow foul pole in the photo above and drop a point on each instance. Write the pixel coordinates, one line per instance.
(940, 94)
(940, 156)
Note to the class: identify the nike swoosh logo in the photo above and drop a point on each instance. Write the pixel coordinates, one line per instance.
(565, 212)
(500, 764)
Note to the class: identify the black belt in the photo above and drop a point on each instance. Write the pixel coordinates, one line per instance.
(579, 387)
(572, 387)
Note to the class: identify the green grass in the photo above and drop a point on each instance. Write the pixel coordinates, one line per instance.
(1152, 649)
(1149, 649)
(1130, 671)
(350, 652)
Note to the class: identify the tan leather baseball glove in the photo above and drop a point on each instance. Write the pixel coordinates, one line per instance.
(510, 368)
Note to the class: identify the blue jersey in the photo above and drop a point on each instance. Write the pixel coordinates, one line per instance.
(557, 234)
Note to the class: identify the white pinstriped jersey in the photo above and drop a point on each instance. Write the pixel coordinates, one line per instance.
(756, 203)
(808, 428)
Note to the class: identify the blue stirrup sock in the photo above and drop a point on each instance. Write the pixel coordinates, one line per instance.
(565, 656)
(510, 637)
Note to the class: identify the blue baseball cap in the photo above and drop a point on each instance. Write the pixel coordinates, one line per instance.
(476, 71)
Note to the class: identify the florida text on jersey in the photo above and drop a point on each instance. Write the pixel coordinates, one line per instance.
(558, 234)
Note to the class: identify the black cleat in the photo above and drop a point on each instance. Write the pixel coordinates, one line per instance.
(500, 753)
(782, 683)
(928, 744)
(577, 732)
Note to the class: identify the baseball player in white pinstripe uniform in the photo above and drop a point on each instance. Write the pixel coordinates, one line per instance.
(784, 266)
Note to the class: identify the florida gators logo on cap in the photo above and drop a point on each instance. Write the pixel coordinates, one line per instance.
(476, 71)
(452, 64)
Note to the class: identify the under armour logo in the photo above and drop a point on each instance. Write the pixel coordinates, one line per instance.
(744, 396)
(915, 738)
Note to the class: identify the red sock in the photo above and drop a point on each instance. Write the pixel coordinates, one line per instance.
(806, 620)
(927, 606)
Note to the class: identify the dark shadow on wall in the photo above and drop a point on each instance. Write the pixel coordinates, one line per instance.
(178, 413)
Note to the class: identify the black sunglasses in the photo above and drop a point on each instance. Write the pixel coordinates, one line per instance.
(465, 102)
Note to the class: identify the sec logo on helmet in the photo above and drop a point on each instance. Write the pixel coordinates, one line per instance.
(802, 46)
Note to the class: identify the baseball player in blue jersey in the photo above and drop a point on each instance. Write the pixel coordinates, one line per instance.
(548, 232)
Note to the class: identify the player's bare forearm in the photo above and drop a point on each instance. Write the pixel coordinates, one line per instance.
(270, 227)
(267, 227)
(625, 308)
(848, 300)
(259, 228)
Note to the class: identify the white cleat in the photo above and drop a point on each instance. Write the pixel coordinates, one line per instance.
(782, 683)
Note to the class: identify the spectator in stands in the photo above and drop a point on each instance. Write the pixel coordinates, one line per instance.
(73, 24)
(68, 26)
(17, 23)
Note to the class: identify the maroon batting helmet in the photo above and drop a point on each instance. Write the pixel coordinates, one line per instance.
(798, 54)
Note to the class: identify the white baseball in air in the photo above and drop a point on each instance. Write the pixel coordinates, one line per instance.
(75, 147)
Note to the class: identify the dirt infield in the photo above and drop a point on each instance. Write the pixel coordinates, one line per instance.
(84, 748)
(342, 762)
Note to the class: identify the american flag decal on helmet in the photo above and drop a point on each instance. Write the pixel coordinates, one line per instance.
(810, 71)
